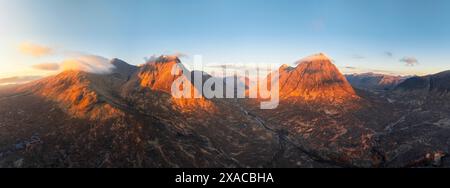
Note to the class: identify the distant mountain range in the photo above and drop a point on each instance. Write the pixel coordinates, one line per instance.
(432, 83)
(128, 118)
(373, 81)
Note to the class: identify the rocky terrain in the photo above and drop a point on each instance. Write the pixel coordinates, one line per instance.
(128, 118)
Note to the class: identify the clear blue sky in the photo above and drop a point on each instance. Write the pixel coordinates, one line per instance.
(355, 33)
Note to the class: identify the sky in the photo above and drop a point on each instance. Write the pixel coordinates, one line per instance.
(402, 37)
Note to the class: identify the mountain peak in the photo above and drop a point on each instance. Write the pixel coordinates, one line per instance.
(117, 61)
(122, 67)
(164, 59)
(319, 57)
(286, 67)
(317, 79)
(158, 75)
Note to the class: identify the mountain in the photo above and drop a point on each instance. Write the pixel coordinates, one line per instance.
(126, 118)
(436, 83)
(122, 68)
(373, 81)
(315, 79)
(159, 74)
(8, 86)
(129, 118)
(320, 114)
(423, 124)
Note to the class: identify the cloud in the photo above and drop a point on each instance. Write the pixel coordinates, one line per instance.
(388, 54)
(356, 56)
(88, 63)
(350, 67)
(180, 55)
(18, 79)
(154, 57)
(34, 50)
(47, 66)
(409, 61)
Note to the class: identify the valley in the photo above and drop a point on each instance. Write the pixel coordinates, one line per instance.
(128, 118)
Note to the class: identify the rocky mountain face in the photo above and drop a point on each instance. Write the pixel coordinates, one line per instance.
(128, 118)
(321, 114)
(125, 119)
(436, 83)
(315, 79)
(373, 81)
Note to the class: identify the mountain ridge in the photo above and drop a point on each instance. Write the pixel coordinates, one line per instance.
(374, 81)
(128, 118)
(439, 82)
